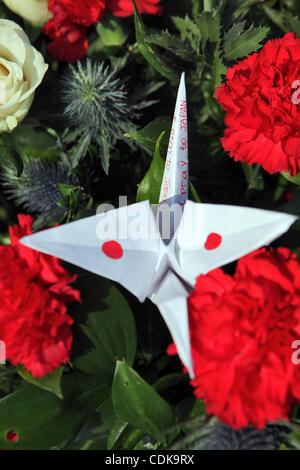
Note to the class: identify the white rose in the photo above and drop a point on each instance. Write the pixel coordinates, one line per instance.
(22, 69)
(35, 11)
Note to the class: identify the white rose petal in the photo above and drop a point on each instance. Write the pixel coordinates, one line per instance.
(22, 68)
(35, 11)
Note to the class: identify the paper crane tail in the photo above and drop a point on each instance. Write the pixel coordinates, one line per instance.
(171, 300)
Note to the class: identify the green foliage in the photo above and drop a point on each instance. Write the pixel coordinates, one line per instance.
(202, 42)
(49, 421)
(174, 44)
(137, 403)
(239, 43)
(41, 419)
(111, 31)
(50, 382)
(11, 161)
(149, 187)
(149, 52)
(147, 137)
(32, 141)
(283, 19)
(292, 179)
(112, 333)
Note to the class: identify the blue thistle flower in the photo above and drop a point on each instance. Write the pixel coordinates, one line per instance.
(99, 108)
(219, 436)
(36, 189)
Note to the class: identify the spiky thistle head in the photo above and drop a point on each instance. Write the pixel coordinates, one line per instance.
(219, 436)
(36, 190)
(96, 99)
(99, 107)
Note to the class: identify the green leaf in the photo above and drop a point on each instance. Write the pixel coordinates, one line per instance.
(27, 140)
(65, 189)
(217, 71)
(112, 31)
(292, 179)
(150, 53)
(189, 32)
(49, 382)
(276, 17)
(233, 35)
(41, 419)
(293, 23)
(139, 404)
(173, 44)
(123, 436)
(209, 27)
(9, 158)
(112, 333)
(147, 137)
(117, 429)
(149, 187)
(194, 194)
(238, 44)
(199, 408)
(64, 202)
(284, 20)
(253, 176)
(169, 380)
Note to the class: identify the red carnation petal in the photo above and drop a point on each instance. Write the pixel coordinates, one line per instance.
(66, 51)
(125, 8)
(35, 291)
(213, 241)
(261, 116)
(242, 329)
(12, 436)
(112, 249)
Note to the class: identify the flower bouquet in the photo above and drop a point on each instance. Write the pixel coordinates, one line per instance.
(113, 336)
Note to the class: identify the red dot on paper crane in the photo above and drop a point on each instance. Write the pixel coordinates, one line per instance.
(12, 436)
(112, 249)
(213, 241)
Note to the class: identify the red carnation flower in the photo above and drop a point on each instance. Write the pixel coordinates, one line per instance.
(242, 330)
(84, 12)
(262, 117)
(125, 7)
(34, 290)
(69, 42)
(67, 27)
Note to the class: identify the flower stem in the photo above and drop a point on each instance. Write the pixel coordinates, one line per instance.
(207, 5)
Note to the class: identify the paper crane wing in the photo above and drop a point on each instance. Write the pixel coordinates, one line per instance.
(101, 245)
(210, 236)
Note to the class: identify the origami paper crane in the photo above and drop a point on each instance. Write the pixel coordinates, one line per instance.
(128, 245)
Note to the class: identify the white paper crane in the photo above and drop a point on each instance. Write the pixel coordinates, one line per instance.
(127, 245)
